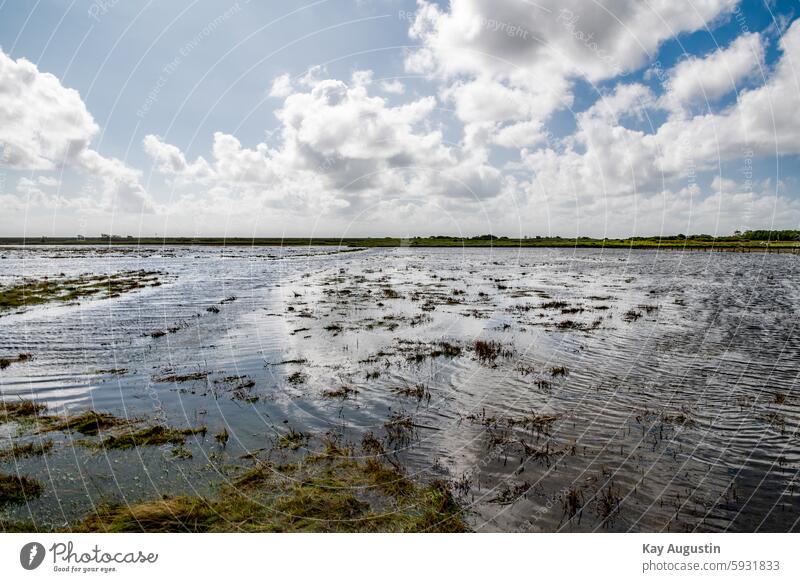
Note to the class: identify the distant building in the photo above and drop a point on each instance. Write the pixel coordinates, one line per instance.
(80, 237)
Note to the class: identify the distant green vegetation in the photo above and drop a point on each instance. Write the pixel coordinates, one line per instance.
(772, 235)
(751, 239)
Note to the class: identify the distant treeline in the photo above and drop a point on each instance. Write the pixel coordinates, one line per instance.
(751, 239)
(771, 235)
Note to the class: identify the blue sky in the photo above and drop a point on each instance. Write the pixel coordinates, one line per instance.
(454, 146)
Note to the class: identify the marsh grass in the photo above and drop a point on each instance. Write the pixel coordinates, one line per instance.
(399, 428)
(342, 391)
(149, 436)
(607, 504)
(330, 492)
(509, 494)
(178, 378)
(571, 504)
(16, 489)
(20, 410)
(19, 451)
(296, 378)
(632, 315)
(30, 292)
(222, 436)
(488, 351)
(292, 440)
(419, 391)
(88, 423)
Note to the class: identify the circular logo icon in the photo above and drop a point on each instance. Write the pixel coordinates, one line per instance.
(31, 555)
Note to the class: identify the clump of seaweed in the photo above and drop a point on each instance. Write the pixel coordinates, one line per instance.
(607, 504)
(682, 418)
(178, 378)
(342, 391)
(16, 489)
(371, 445)
(538, 423)
(222, 436)
(111, 372)
(419, 391)
(239, 388)
(510, 494)
(631, 315)
(579, 326)
(488, 351)
(20, 410)
(292, 440)
(525, 369)
(296, 378)
(571, 504)
(775, 419)
(151, 436)
(446, 349)
(6, 362)
(554, 305)
(399, 428)
(88, 423)
(18, 451)
(181, 452)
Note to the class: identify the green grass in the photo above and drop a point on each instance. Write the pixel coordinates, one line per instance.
(26, 450)
(16, 489)
(88, 423)
(152, 435)
(331, 492)
(31, 292)
(20, 410)
(752, 240)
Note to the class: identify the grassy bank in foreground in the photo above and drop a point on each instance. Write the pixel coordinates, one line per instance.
(743, 242)
(328, 487)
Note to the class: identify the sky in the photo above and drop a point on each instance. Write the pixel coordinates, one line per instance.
(603, 118)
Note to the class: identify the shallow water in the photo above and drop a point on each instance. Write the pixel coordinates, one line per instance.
(678, 408)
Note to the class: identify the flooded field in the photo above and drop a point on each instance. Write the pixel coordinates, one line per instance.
(552, 389)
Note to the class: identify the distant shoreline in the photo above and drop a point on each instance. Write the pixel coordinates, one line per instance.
(728, 244)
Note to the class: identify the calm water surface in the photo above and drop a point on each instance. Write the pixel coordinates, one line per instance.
(641, 390)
